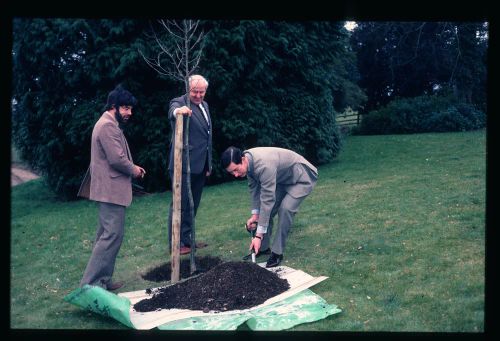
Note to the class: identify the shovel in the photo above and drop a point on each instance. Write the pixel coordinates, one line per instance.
(252, 229)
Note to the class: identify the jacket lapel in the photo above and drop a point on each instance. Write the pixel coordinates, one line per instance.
(197, 114)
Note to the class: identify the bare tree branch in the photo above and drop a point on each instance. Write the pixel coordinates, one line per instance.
(459, 53)
(181, 54)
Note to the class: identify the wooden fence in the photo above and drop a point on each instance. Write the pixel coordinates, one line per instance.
(348, 119)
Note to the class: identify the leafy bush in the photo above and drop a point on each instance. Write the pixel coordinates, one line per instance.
(271, 84)
(422, 114)
(459, 117)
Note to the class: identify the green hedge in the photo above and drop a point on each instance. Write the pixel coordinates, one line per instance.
(428, 113)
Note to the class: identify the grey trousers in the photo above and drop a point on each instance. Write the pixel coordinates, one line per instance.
(285, 206)
(108, 241)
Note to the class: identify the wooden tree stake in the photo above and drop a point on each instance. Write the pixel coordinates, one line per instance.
(177, 189)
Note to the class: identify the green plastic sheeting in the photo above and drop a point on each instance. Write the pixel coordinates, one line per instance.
(303, 307)
(101, 301)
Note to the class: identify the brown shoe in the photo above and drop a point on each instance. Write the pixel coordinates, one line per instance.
(201, 245)
(114, 286)
(184, 250)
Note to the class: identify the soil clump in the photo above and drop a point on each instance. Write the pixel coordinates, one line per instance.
(163, 272)
(228, 286)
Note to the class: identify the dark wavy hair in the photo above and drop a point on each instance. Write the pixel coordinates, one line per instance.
(231, 154)
(120, 97)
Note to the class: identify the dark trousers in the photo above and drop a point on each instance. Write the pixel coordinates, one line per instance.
(197, 183)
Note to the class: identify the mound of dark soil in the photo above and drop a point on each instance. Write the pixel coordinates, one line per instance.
(228, 286)
(163, 272)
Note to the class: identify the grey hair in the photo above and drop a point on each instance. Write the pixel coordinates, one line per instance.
(193, 77)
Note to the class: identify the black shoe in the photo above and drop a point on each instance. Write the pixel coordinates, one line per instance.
(274, 260)
(265, 252)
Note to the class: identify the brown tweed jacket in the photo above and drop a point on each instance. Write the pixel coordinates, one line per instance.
(109, 177)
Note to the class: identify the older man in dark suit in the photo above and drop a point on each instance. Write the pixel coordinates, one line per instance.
(109, 182)
(279, 180)
(200, 156)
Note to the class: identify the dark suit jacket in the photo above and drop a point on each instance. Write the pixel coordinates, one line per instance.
(109, 178)
(200, 137)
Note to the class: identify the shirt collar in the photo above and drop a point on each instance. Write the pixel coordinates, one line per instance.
(250, 163)
(111, 116)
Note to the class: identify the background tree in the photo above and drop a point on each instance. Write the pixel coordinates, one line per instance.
(63, 71)
(272, 83)
(408, 59)
(468, 79)
(179, 57)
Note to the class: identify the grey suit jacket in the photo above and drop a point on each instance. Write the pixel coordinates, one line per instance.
(200, 137)
(272, 169)
(109, 177)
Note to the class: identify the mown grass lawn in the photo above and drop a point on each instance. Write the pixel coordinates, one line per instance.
(396, 222)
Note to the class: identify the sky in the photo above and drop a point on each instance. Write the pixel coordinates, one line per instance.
(350, 25)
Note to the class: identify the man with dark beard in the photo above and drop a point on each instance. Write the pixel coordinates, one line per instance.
(109, 182)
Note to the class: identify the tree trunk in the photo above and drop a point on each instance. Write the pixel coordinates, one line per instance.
(177, 188)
